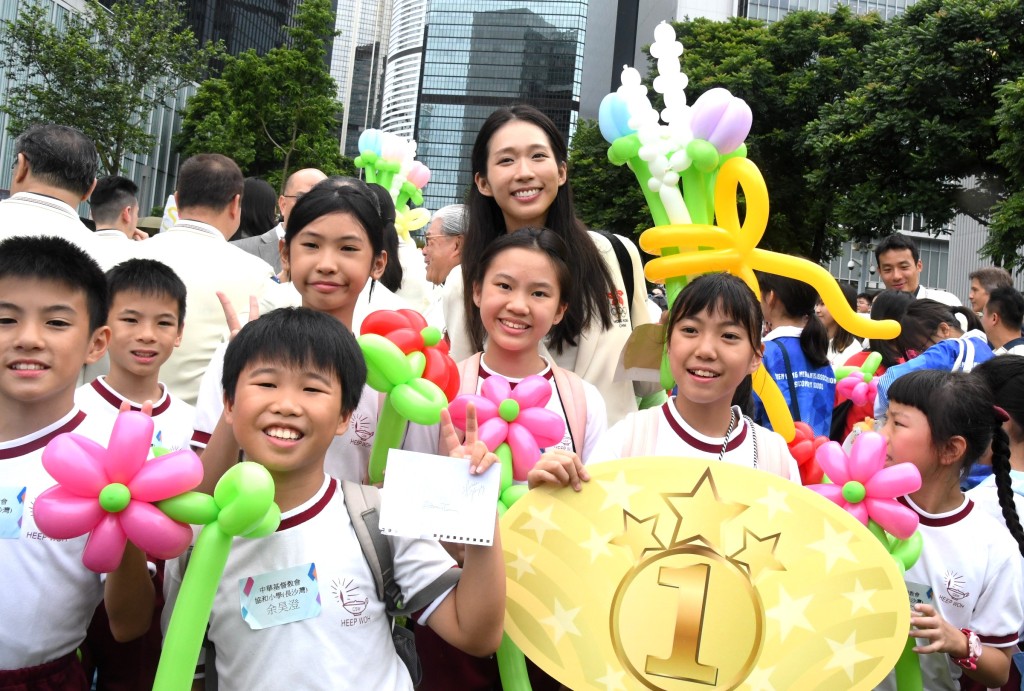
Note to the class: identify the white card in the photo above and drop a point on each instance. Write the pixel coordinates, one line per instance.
(428, 496)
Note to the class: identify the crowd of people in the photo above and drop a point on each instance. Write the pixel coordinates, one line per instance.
(234, 331)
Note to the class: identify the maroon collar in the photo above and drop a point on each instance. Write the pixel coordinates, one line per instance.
(938, 521)
(115, 399)
(696, 443)
(307, 514)
(38, 443)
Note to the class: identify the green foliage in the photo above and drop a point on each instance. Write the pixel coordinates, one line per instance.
(606, 197)
(102, 71)
(275, 113)
(1006, 235)
(922, 119)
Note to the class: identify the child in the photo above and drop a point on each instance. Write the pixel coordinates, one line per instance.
(332, 247)
(1004, 376)
(521, 288)
(146, 319)
(941, 422)
(713, 341)
(53, 307)
(931, 338)
(796, 352)
(291, 380)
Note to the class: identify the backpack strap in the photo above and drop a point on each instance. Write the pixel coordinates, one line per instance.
(794, 403)
(469, 373)
(570, 391)
(363, 505)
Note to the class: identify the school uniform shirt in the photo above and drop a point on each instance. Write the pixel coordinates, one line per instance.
(815, 386)
(172, 417)
(312, 573)
(663, 432)
(938, 295)
(348, 456)
(595, 358)
(974, 569)
(47, 596)
(1014, 347)
(206, 263)
(425, 438)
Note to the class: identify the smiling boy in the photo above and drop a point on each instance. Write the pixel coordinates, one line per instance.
(53, 301)
(291, 380)
(146, 320)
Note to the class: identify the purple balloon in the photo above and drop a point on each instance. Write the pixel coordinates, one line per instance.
(722, 119)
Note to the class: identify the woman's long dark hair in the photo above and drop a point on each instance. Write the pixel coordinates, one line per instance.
(591, 280)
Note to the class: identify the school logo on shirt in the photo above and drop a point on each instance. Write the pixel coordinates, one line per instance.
(954, 585)
(352, 599)
(362, 428)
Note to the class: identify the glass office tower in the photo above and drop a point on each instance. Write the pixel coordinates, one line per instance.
(486, 55)
(774, 10)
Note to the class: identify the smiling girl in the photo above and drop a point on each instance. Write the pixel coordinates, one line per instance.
(520, 178)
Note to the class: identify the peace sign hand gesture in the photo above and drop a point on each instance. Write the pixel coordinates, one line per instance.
(472, 449)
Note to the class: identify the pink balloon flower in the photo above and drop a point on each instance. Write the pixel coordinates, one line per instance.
(853, 387)
(110, 493)
(514, 416)
(722, 119)
(867, 489)
(418, 175)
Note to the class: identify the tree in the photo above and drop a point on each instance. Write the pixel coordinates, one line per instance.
(275, 113)
(1006, 236)
(103, 72)
(922, 120)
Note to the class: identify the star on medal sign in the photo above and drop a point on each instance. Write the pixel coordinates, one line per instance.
(758, 554)
(845, 655)
(638, 535)
(702, 506)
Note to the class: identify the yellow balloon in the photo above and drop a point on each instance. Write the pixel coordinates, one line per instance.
(680, 574)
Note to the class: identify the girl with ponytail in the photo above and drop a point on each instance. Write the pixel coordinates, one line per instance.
(796, 352)
(1004, 376)
(943, 421)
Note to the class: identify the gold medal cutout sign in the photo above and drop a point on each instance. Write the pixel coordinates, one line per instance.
(669, 573)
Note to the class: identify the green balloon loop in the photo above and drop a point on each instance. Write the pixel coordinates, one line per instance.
(854, 492)
(508, 410)
(431, 336)
(114, 497)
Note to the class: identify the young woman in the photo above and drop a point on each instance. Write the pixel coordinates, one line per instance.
(520, 179)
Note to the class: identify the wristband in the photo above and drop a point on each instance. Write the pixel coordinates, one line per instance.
(973, 651)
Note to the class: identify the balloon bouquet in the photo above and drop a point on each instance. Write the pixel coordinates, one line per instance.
(115, 494)
(689, 169)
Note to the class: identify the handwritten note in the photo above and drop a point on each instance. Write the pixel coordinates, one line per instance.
(436, 497)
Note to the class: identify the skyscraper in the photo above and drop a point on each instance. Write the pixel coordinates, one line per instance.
(357, 65)
(478, 59)
(404, 65)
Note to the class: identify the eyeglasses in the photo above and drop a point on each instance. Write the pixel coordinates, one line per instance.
(427, 239)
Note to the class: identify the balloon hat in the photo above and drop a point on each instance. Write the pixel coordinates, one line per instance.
(689, 161)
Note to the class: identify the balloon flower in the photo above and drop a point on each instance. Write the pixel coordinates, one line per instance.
(387, 160)
(802, 448)
(867, 489)
(515, 425)
(111, 493)
(399, 348)
(242, 505)
(859, 384)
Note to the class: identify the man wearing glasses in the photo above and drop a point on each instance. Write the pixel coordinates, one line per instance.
(442, 252)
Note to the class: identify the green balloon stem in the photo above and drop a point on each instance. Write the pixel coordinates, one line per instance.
(390, 428)
(854, 492)
(908, 669)
(191, 612)
(114, 498)
(508, 409)
(431, 336)
(512, 666)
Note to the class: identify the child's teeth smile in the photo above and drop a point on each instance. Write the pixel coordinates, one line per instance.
(282, 433)
(704, 373)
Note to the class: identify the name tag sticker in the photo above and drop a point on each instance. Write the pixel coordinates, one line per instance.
(920, 594)
(280, 597)
(12, 508)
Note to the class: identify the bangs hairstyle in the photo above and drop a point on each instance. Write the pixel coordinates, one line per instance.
(955, 404)
(722, 293)
(485, 222)
(338, 195)
(150, 278)
(301, 338)
(56, 260)
(552, 246)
